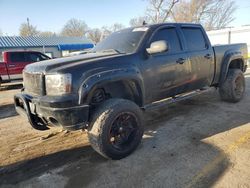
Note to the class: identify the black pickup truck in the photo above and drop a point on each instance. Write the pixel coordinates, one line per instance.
(106, 90)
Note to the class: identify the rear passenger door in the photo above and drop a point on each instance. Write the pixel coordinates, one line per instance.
(16, 63)
(200, 54)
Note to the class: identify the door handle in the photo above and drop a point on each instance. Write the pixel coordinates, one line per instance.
(12, 65)
(208, 56)
(181, 60)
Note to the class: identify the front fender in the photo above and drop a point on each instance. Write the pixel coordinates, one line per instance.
(96, 80)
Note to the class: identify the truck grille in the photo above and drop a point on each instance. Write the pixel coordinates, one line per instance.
(33, 83)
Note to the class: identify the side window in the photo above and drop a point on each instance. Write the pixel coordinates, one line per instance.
(17, 57)
(194, 38)
(31, 57)
(42, 57)
(49, 54)
(169, 35)
(34, 57)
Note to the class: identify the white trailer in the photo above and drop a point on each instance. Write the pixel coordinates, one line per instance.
(230, 36)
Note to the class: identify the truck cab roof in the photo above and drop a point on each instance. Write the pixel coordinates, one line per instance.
(153, 26)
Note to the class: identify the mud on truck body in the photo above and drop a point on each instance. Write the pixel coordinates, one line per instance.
(107, 90)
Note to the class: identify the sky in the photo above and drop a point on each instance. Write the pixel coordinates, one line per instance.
(51, 15)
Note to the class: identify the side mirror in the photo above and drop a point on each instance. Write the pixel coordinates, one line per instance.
(157, 47)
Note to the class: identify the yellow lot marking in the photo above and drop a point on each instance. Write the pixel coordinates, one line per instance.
(207, 169)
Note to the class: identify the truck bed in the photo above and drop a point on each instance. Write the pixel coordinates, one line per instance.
(220, 53)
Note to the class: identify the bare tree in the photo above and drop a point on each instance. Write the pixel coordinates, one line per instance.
(224, 15)
(95, 35)
(116, 27)
(74, 27)
(138, 21)
(27, 29)
(107, 30)
(210, 13)
(47, 34)
(159, 10)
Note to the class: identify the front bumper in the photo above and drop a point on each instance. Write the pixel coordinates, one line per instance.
(41, 116)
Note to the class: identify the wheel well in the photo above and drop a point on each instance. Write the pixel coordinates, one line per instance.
(236, 64)
(119, 89)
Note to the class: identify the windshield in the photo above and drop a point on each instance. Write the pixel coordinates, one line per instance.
(124, 41)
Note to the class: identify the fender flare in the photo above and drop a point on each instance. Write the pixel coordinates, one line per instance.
(228, 58)
(96, 80)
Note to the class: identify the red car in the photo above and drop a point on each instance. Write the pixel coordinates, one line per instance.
(14, 62)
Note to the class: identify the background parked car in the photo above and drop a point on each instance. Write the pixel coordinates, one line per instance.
(14, 62)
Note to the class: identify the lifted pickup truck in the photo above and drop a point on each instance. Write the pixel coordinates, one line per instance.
(14, 62)
(106, 90)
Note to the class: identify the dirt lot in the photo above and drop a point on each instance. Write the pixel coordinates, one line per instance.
(200, 142)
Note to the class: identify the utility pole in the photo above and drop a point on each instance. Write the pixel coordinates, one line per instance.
(229, 35)
(28, 23)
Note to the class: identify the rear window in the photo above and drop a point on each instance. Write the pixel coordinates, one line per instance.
(194, 38)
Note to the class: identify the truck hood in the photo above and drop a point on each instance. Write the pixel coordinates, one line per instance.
(53, 65)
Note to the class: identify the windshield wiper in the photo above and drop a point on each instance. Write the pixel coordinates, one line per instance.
(91, 51)
(112, 50)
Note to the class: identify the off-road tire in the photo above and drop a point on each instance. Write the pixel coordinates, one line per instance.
(233, 88)
(102, 123)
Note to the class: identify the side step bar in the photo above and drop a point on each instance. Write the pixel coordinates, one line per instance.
(174, 99)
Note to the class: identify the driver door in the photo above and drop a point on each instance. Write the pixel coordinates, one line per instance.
(166, 73)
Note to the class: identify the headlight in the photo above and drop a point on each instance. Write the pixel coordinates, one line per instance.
(58, 84)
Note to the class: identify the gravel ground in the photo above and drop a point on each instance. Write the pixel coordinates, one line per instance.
(200, 142)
